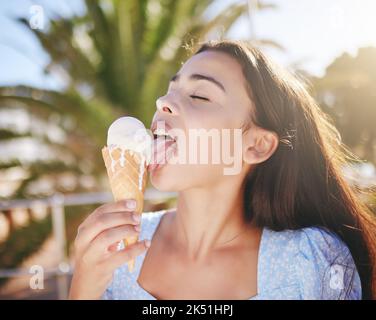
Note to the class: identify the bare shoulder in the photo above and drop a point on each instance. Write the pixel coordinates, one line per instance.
(164, 227)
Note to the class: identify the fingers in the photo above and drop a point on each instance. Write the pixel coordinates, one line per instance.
(105, 217)
(103, 222)
(105, 239)
(121, 205)
(118, 206)
(129, 253)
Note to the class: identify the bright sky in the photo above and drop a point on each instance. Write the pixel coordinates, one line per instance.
(312, 32)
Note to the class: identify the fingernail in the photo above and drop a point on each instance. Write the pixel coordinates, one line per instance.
(136, 217)
(137, 228)
(131, 204)
(147, 243)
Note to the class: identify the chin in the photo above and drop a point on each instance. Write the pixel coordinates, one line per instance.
(166, 179)
(177, 177)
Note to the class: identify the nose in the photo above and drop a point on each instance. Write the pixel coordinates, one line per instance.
(163, 105)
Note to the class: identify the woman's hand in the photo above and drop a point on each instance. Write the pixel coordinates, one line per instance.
(96, 256)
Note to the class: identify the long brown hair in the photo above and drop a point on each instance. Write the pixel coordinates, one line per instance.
(301, 184)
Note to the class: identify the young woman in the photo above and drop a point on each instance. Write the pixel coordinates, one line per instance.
(287, 226)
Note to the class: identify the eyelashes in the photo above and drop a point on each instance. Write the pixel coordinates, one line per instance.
(196, 97)
(199, 98)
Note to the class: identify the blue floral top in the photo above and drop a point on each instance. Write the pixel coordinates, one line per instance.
(309, 263)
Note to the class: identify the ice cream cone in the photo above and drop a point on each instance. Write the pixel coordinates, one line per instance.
(127, 176)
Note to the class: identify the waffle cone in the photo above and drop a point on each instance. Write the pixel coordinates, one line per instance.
(125, 182)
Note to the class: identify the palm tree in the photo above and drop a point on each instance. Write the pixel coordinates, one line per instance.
(116, 59)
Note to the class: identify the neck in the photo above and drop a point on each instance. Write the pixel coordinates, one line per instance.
(206, 218)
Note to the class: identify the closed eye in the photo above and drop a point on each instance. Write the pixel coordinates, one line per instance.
(200, 98)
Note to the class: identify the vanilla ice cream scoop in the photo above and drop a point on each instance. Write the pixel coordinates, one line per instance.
(128, 133)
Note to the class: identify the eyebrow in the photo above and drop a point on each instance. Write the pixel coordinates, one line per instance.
(197, 76)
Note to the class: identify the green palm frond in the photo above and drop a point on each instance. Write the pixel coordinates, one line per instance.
(94, 116)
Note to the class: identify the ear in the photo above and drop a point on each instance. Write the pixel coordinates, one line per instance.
(259, 145)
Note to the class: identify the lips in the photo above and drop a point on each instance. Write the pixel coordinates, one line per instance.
(166, 127)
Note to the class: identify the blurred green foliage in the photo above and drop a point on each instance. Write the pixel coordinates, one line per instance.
(347, 92)
(24, 241)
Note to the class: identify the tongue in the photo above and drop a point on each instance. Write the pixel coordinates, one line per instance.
(160, 146)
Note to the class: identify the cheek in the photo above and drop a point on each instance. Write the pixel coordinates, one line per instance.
(206, 116)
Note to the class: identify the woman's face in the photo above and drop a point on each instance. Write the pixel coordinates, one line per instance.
(208, 93)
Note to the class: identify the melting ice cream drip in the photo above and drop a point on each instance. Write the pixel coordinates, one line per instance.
(141, 170)
(113, 162)
(121, 159)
